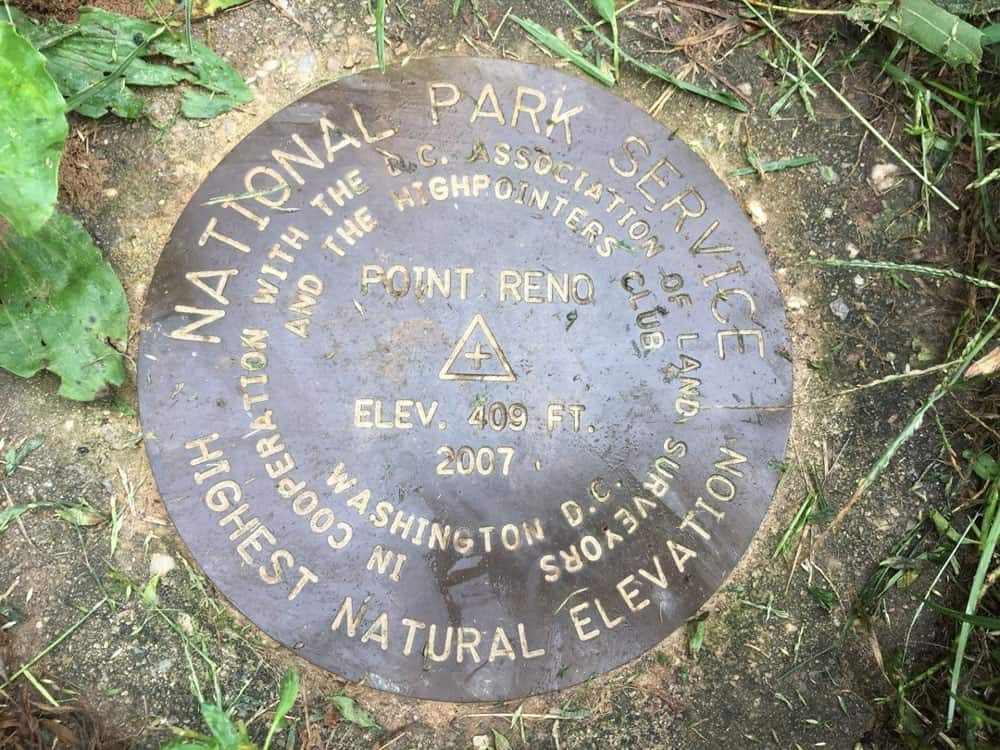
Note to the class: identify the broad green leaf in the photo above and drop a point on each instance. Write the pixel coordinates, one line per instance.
(500, 742)
(32, 133)
(605, 8)
(61, 309)
(352, 713)
(287, 696)
(83, 56)
(983, 464)
(549, 40)
(221, 726)
(16, 454)
(932, 27)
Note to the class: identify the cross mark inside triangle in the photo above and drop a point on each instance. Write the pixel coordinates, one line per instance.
(477, 356)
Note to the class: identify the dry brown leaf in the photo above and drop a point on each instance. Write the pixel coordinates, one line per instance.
(986, 365)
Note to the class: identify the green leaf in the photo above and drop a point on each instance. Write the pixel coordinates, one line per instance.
(221, 726)
(991, 34)
(149, 596)
(355, 715)
(823, 597)
(287, 696)
(696, 634)
(550, 41)
(935, 29)
(15, 455)
(32, 133)
(96, 60)
(81, 514)
(983, 464)
(61, 309)
(721, 97)
(500, 742)
(605, 8)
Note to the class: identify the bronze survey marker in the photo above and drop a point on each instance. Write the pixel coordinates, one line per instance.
(449, 375)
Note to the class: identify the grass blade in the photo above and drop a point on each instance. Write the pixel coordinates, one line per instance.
(45, 651)
(990, 623)
(553, 43)
(719, 97)
(380, 33)
(851, 108)
(971, 351)
(989, 544)
(872, 265)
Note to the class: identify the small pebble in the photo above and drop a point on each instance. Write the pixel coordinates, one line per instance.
(796, 303)
(839, 308)
(853, 251)
(757, 213)
(161, 564)
(882, 178)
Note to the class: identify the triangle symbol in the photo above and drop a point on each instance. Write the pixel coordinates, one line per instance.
(477, 356)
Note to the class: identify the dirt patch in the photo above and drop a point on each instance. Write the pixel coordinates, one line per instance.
(82, 175)
(69, 10)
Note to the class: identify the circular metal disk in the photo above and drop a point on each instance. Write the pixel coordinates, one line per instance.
(450, 378)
